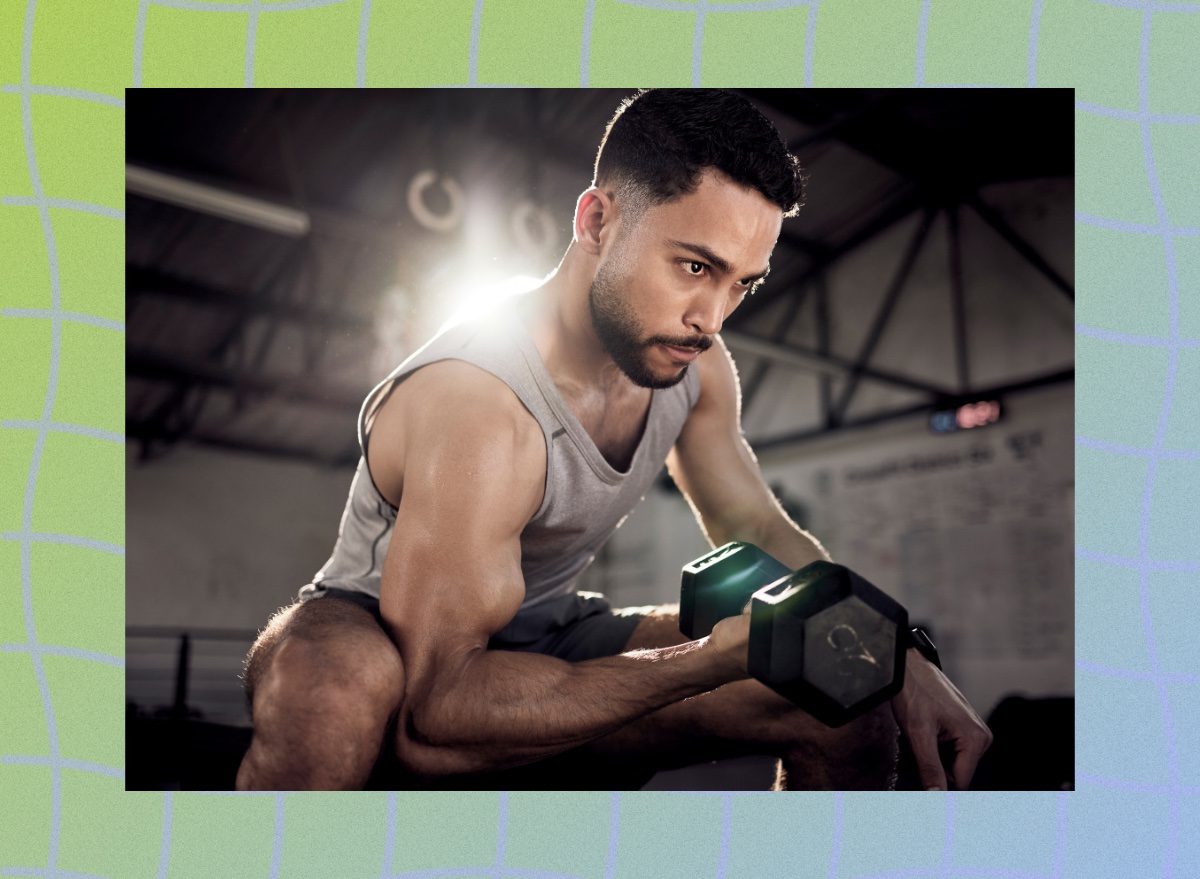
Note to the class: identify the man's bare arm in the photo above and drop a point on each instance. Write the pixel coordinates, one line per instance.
(474, 471)
(715, 468)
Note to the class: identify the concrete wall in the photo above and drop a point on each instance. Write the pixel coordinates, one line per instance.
(222, 540)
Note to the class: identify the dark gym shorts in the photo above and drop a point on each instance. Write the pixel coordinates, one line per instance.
(575, 627)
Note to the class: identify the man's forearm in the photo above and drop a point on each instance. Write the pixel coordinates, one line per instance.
(789, 543)
(505, 708)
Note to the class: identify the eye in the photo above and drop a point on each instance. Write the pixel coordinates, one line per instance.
(694, 267)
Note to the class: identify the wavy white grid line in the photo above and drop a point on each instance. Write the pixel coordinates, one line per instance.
(726, 834)
(1136, 787)
(1135, 564)
(70, 652)
(720, 8)
(73, 316)
(389, 837)
(614, 835)
(475, 872)
(39, 201)
(473, 56)
(699, 8)
(1137, 115)
(1035, 27)
(39, 668)
(77, 765)
(44, 873)
(1133, 451)
(251, 45)
(1127, 339)
(69, 539)
(168, 820)
(810, 42)
(139, 42)
(948, 836)
(585, 44)
(364, 29)
(1159, 436)
(252, 6)
(922, 33)
(61, 92)
(501, 834)
(1125, 674)
(1136, 228)
(1151, 6)
(61, 427)
(1060, 836)
(277, 845)
(835, 851)
(955, 873)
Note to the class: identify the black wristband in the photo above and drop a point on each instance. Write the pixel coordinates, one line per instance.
(921, 641)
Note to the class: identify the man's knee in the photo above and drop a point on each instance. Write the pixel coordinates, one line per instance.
(322, 698)
(309, 646)
(357, 680)
(862, 754)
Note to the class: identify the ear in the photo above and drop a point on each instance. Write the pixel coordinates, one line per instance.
(593, 213)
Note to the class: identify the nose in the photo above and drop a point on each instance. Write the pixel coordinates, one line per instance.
(707, 313)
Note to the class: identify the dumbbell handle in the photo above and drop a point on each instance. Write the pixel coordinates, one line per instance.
(719, 584)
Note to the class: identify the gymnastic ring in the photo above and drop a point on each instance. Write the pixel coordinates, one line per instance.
(416, 202)
(547, 235)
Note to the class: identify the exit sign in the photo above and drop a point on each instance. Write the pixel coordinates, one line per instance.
(978, 413)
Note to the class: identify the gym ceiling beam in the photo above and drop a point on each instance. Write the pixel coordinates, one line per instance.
(1054, 378)
(889, 216)
(883, 315)
(957, 305)
(141, 281)
(1023, 247)
(822, 363)
(159, 367)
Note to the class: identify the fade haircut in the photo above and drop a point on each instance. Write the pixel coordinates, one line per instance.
(660, 140)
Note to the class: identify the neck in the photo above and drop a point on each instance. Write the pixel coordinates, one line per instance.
(561, 327)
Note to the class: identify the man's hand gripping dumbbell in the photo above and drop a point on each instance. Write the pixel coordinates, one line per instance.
(834, 645)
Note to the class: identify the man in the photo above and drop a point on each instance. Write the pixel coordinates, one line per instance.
(445, 634)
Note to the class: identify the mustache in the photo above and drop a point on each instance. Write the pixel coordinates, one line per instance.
(700, 343)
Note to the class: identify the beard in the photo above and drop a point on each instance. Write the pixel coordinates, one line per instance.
(621, 334)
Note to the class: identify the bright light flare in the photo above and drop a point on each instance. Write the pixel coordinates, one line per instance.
(481, 296)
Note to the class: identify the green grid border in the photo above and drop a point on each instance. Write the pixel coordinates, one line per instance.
(64, 65)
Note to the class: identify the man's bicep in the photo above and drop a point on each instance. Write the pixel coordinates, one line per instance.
(712, 462)
(452, 573)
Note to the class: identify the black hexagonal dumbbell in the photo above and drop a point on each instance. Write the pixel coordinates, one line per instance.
(822, 636)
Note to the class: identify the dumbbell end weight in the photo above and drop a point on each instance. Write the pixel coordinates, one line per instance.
(719, 584)
(829, 641)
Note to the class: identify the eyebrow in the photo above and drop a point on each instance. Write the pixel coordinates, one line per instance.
(719, 264)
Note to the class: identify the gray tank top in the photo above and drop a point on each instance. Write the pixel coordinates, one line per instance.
(585, 497)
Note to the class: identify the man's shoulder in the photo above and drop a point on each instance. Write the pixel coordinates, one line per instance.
(452, 417)
(456, 403)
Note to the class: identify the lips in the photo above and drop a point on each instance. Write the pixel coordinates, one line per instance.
(684, 355)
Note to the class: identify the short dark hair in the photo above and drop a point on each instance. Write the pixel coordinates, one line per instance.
(660, 140)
